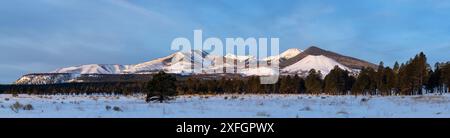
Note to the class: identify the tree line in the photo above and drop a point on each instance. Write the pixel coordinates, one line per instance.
(414, 77)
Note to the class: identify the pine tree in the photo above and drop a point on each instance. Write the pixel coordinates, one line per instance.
(446, 76)
(365, 83)
(286, 84)
(313, 82)
(431, 83)
(424, 69)
(191, 85)
(336, 81)
(388, 82)
(162, 87)
(396, 67)
(300, 83)
(253, 85)
(413, 75)
(380, 79)
(437, 78)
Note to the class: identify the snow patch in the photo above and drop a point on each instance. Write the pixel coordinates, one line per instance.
(319, 63)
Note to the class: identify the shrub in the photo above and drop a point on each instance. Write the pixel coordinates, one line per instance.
(108, 107)
(364, 100)
(16, 107)
(307, 108)
(28, 107)
(117, 109)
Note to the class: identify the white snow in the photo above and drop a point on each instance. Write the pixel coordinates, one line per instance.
(45, 78)
(319, 63)
(94, 69)
(261, 71)
(228, 106)
(239, 58)
(290, 53)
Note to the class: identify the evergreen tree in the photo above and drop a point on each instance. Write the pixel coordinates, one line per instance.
(286, 84)
(253, 85)
(380, 79)
(300, 83)
(388, 82)
(446, 76)
(432, 81)
(336, 81)
(365, 83)
(438, 78)
(313, 82)
(162, 87)
(396, 67)
(413, 75)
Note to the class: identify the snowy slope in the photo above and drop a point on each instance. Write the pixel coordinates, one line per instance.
(45, 78)
(239, 58)
(320, 63)
(261, 71)
(176, 62)
(179, 62)
(151, 66)
(290, 53)
(93, 69)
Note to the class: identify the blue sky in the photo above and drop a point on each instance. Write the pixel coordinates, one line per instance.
(42, 35)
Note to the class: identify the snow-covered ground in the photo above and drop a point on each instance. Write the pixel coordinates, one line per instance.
(228, 106)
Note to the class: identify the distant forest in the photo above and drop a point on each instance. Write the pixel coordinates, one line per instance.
(415, 77)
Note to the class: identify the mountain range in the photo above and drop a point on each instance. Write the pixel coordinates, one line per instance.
(292, 61)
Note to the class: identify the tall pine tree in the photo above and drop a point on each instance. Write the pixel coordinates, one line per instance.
(162, 87)
(313, 82)
(336, 81)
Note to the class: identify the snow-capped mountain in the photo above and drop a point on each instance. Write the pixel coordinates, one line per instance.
(290, 53)
(178, 62)
(175, 63)
(320, 63)
(94, 69)
(292, 61)
(350, 62)
(46, 78)
(239, 57)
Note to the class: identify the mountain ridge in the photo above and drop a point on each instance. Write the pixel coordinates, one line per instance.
(182, 63)
(348, 61)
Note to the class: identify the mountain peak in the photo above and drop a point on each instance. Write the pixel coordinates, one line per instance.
(314, 50)
(296, 50)
(291, 52)
(320, 62)
(345, 60)
(314, 47)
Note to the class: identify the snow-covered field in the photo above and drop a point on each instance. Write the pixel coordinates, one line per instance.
(228, 106)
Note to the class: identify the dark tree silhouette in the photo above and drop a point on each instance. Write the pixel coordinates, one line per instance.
(313, 82)
(162, 87)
